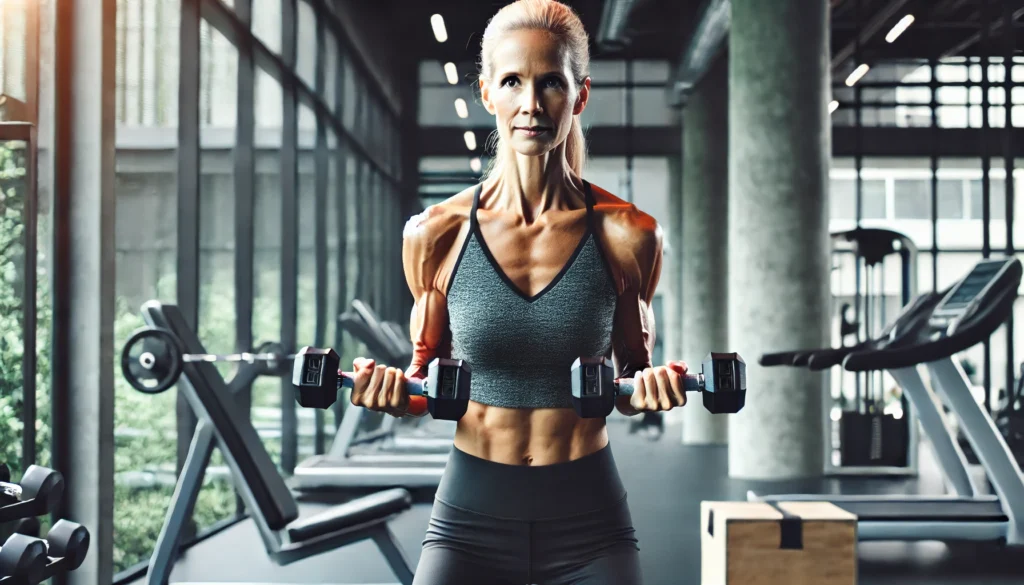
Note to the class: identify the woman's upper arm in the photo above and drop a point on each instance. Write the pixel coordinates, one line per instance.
(633, 333)
(422, 258)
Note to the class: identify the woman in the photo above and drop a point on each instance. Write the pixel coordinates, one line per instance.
(519, 276)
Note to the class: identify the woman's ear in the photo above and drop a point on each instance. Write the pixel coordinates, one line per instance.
(485, 95)
(582, 98)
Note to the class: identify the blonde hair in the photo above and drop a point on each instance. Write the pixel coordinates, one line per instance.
(562, 22)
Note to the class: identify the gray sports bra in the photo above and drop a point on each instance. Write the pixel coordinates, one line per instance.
(520, 348)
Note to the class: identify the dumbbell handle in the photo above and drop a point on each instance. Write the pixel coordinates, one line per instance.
(691, 383)
(414, 386)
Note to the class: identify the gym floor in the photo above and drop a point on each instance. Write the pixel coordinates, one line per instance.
(666, 483)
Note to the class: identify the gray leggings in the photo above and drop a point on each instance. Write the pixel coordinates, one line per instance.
(496, 524)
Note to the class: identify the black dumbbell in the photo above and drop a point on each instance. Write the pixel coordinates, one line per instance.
(39, 492)
(722, 383)
(445, 390)
(23, 560)
(5, 472)
(67, 545)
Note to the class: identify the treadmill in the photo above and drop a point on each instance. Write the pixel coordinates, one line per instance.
(931, 331)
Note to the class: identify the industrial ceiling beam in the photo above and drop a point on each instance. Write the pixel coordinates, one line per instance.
(707, 42)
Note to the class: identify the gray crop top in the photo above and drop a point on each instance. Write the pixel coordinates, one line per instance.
(519, 348)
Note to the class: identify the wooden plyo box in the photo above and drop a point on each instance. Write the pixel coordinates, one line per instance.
(754, 543)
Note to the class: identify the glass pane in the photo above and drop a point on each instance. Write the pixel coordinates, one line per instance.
(872, 199)
(951, 198)
(607, 172)
(843, 199)
(349, 81)
(997, 197)
(649, 107)
(305, 41)
(604, 108)
(307, 315)
(335, 191)
(331, 70)
(266, 315)
(146, 224)
(266, 23)
(13, 193)
(353, 229)
(912, 199)
(650, 72)
(13, 55)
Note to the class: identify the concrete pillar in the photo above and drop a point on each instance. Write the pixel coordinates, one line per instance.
(779, 144)
(670, 329)
(705, 271)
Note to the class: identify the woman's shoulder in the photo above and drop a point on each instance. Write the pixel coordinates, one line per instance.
(441, 218)
(624, 221)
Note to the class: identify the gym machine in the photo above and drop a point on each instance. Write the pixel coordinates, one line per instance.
(930, 332)
(26, 559)
(870, 428)
(169, 348)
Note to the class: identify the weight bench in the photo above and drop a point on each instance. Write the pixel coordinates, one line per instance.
(267, 498)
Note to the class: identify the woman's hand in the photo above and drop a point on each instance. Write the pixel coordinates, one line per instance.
(380, 388)
(660, 388)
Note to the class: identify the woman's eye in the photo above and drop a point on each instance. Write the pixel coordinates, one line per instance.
(553, 82)
(509, 82)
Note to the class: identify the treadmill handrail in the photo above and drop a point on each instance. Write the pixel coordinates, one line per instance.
(965, 337)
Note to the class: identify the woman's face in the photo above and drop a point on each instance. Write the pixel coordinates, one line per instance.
(532, 93)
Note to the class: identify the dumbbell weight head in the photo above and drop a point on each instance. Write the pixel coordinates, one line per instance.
(151, 360)
(24, 558)
(70, 541)
(45, 486)
(593, 387)
(447, 388)
(725, 383)
(315, 377)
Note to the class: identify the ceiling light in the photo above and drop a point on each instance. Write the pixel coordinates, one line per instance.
(460, 108)
(833, 106)
(899, 27)
(475, 165)
(859, 72)
(470, 139)
(437, 23)
(451, 73)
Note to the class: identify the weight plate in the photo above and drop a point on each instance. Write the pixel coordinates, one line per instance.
(45, 485)
(151, 360)
(70, 540)
(23, 558)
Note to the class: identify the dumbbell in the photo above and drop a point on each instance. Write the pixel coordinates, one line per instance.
(152, 359)
(23, 560)
(445, 390)
(29, 561)
(722, 383)
(39, 492)
(5, 472)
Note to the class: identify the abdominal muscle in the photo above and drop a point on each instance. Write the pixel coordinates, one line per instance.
(528, 436)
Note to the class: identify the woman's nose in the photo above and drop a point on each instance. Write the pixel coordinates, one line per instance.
(531, 100)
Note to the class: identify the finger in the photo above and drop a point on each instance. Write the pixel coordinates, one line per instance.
(399, 394)
(664, 388)
(651, 385)
(386, 380)
(676, 388)
(372, 388)
(638, 401)
(679, 366)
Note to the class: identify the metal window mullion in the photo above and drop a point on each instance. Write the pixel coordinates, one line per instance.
(245, 183)
(188, 204)
(321, 161)
(289, 232)
(1009, 40)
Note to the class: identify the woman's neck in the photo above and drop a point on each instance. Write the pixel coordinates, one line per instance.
(531, 185)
